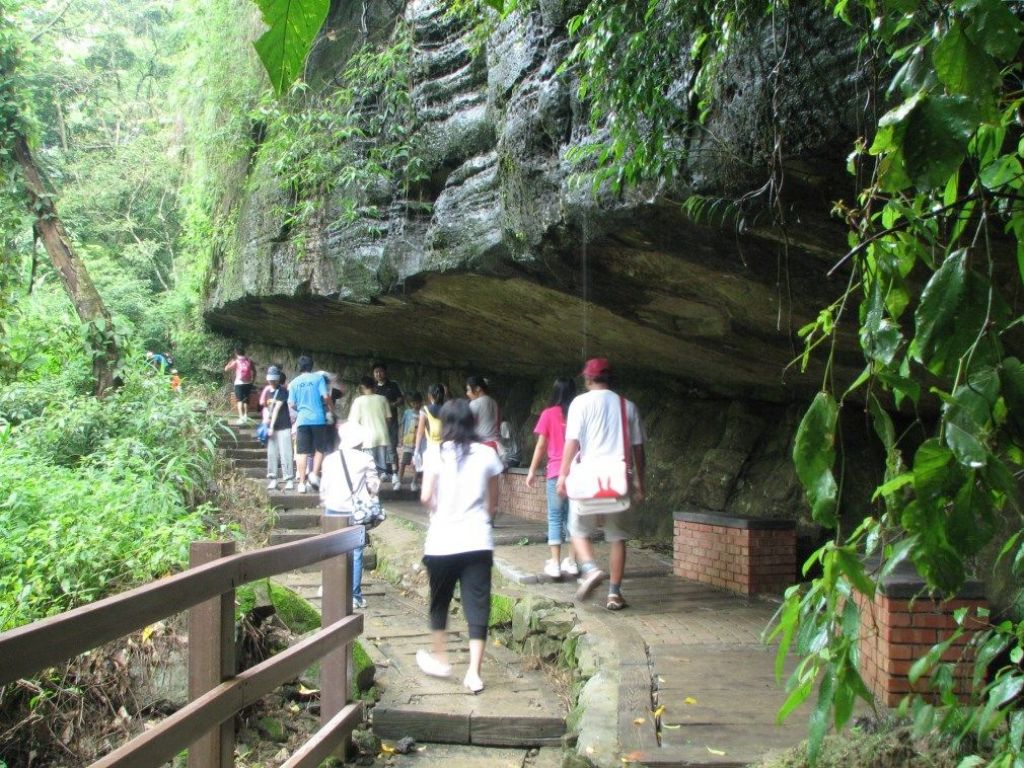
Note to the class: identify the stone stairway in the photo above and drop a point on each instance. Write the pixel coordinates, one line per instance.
(298, 514)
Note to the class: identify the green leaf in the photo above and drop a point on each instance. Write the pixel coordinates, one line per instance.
(879, 337)
(283, 48)
(1001, 172)
(962, 65)
(931, 475)
(882, 423)
(936, 314)
(996, 29)
(853, 569)
(814, 455)
(819, 717)
(936, 137)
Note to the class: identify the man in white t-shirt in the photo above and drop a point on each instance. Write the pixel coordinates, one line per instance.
(594, 427)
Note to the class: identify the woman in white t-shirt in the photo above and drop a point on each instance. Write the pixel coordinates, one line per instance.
(460, 485)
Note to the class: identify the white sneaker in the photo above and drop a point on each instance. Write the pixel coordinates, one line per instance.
(569, 567)
(289, 486)
(588, 583)
(431, 666)
(358, 602)
(301, 488)
(396, 486)
(314, 480)
(551, 569)
(272, 485)
(396, 480)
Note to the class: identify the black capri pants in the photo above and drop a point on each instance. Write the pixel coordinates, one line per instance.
(472, 571)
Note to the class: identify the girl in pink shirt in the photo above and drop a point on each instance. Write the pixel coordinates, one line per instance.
(550, 431)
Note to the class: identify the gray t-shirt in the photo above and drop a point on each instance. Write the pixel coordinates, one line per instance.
(485, 410)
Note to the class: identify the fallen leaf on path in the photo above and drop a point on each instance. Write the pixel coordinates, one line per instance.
(386, 749)
(304, 691)
(659, 711)
(639, 720)
(636, 756)
(671, 727)
(715, 751)
(689, 700)
(294, 708)
(661, 679)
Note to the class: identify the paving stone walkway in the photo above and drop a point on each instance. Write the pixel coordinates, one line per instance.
(690, 653)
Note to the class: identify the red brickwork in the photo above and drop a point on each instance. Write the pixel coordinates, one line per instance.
(895, 633)
(746, 560)
(517, 500)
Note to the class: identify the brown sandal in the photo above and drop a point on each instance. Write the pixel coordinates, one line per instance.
(615, 603)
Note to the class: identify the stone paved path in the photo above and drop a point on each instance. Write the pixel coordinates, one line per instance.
(690, 652)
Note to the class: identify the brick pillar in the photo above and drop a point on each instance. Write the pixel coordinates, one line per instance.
(898, 628)
(745, 555)
(517, 500)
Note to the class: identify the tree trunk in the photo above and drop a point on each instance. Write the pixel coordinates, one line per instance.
(73, 274)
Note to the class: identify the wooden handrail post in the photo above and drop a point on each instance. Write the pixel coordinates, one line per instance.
(336, 604)
(211, 658)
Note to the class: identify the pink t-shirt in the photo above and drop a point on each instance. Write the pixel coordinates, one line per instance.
(551, 424)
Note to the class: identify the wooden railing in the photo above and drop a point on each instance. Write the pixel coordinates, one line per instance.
(216, 691)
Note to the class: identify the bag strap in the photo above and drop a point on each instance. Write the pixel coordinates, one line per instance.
(348, 477)
(625, 433)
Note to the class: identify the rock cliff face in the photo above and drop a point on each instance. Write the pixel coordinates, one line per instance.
(504, 261)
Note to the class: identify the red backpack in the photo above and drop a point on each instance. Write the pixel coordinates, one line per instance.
(245, 369)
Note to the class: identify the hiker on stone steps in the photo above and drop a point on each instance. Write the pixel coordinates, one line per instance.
(309, 397)
(279, 431)
(460, 486)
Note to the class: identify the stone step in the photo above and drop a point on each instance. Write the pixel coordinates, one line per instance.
(293, 500)
(260, 463)
(517, 708)
(294, 519)
(245, 453)
(287, 535)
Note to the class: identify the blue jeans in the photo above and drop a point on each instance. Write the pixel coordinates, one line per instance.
(357, 572)
(357, 562)
(558, 514)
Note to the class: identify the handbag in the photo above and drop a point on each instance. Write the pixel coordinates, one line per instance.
(366, 508)
(599, 485)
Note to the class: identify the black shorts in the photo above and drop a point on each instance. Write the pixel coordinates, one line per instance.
(242, 392)
(312, 438)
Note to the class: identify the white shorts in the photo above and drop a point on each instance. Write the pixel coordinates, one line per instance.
(616, 527)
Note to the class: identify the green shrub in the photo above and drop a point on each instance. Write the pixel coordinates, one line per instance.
(99, 495)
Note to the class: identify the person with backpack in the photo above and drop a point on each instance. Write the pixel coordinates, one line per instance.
(245, 370)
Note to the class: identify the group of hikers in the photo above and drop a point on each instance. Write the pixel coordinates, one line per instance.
(591, 444)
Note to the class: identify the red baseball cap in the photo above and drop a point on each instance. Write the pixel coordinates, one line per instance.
(596, 366)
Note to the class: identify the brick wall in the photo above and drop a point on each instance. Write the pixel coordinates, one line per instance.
(744, 555)
(897, 631)
(516, 499)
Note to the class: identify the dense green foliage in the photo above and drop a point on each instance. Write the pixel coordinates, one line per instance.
(935, 270)
(941, 209)
(359, 136)
(95, 494)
